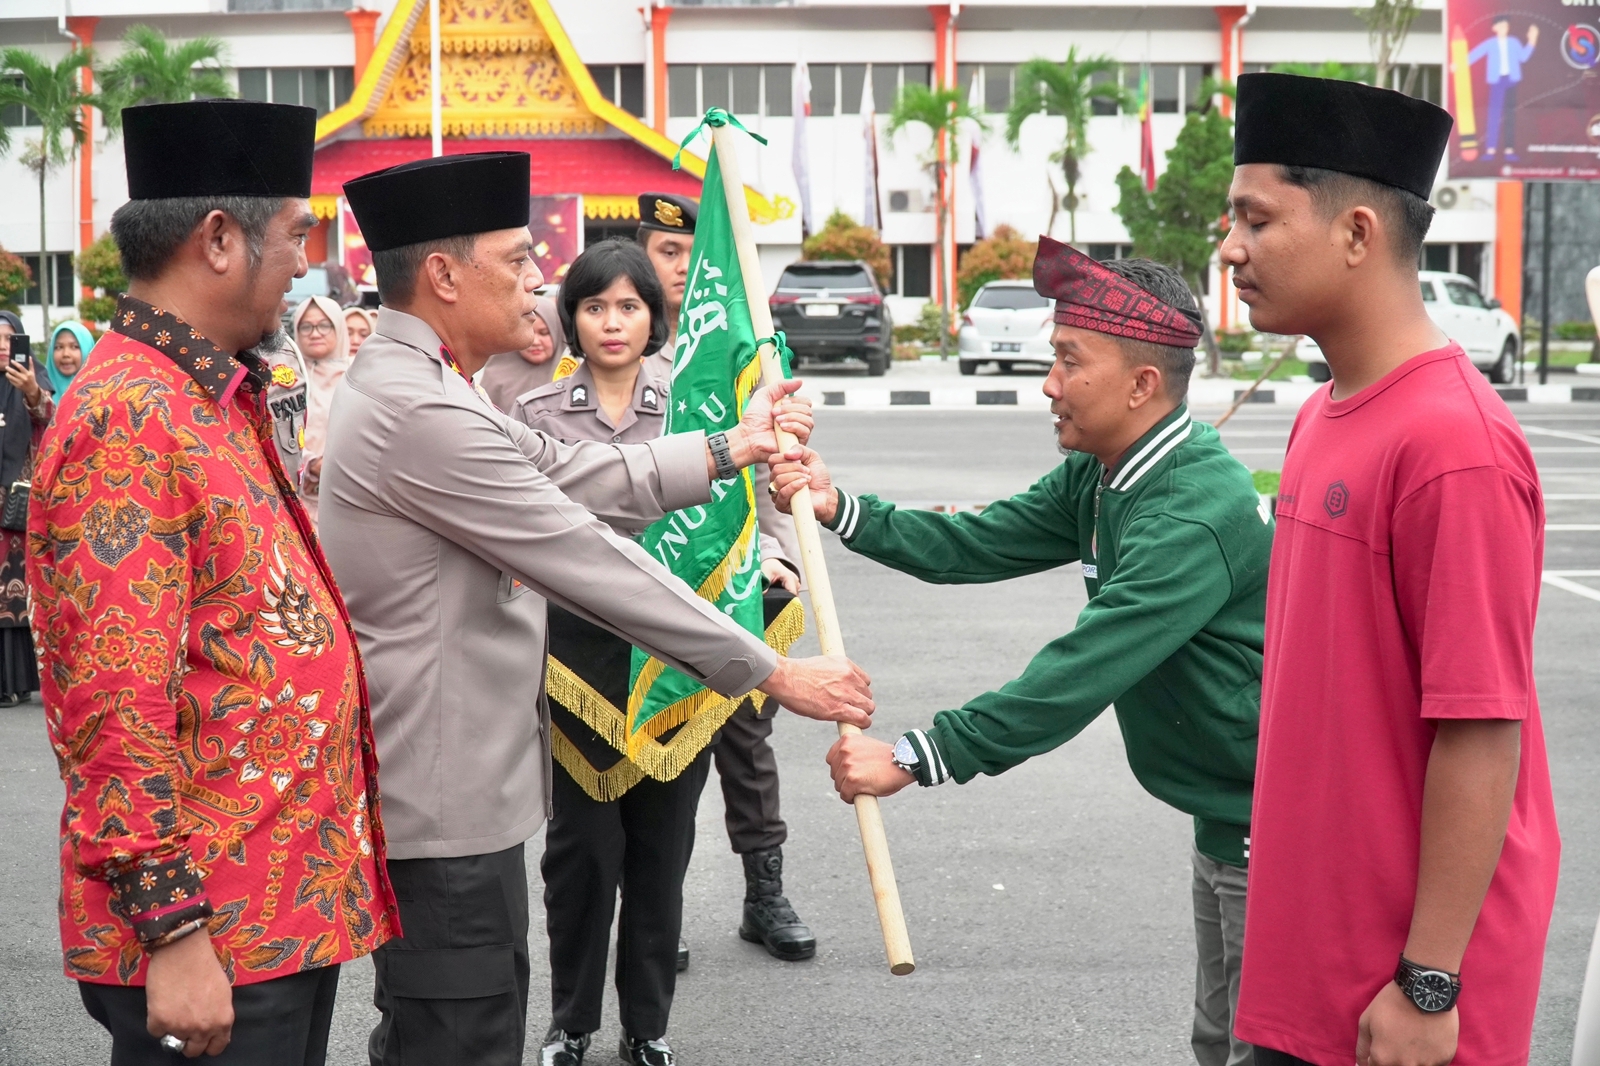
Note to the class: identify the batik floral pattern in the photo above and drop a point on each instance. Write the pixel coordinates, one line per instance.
(202, 686)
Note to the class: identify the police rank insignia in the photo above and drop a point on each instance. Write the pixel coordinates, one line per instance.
(564, 368)
(669, 214)
(580, 396)
(284, 376)
(649, 397)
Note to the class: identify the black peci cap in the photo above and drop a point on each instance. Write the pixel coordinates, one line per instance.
(218, 148)
(448, 196)
(1379, 134)
(667, 212)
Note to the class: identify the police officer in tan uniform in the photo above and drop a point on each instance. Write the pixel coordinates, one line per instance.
(745, 761)
(450, 527)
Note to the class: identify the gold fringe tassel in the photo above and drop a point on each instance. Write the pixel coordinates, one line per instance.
(600, 787)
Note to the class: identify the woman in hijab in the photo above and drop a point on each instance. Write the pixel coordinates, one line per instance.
(510, 374)
(25, 409)
(70, 343)
(359, 323)
(324, 341)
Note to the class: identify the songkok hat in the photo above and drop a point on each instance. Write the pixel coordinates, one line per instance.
(447, 196)
(667, 212)
(218, 148)
(1378, 134)
(1089, 296)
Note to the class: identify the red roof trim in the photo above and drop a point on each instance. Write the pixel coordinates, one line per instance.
(597, 166)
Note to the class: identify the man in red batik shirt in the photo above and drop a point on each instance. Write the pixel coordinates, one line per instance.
(1404, 850)
(202, 687)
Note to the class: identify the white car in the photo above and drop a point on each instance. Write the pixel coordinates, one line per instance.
(1008, 323)
(1487, 333)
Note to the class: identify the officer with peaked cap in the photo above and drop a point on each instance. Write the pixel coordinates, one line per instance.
(450, 526)
(1404, 848)
(746, 765)
(203, 688)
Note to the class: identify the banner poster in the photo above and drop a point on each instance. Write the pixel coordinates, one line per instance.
(1523, 83)
(557, 226)
(357, 258)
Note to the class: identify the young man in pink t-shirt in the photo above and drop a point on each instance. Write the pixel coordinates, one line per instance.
(1404, 850)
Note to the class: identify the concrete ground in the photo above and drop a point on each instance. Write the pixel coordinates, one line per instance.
(1049, 908)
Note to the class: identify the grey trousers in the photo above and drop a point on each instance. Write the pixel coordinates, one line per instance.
(1219, 938)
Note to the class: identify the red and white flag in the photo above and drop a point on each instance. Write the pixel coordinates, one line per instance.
(801, 161)
(869, 130)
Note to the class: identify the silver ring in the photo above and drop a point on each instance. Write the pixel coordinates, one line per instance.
(173, 1043)
(772, 490)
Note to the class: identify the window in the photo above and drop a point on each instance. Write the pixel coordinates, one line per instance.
(885, 86)
(913, 269)
(1098, 106)
(623, 85)
(1165, 88)
(62, 292)
(743, 88)
(1465, 258)
(997, 79)
(824, 88)
(1421, 80)
(1428, 295)
(1463, 295)
(323, 88)
(1170, 84)
(15, 115)
(1011, 298)
(1194, 76)
(835, 277)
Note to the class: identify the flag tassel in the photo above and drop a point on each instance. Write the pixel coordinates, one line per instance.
(869, 818)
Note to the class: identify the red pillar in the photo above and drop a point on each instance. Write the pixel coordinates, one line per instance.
(1508, 249)
(83, 26)
(1230, 20)
(363, 24)
(658, 64)
(944, 78)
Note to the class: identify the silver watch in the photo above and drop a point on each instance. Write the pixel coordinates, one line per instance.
(905, 755)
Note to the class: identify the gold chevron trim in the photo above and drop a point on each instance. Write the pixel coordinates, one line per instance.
(660, 761)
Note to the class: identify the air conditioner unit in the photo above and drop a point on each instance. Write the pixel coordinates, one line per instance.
(1452, 197)
(907, 201)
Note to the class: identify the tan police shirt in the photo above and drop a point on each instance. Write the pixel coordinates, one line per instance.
(448, 525)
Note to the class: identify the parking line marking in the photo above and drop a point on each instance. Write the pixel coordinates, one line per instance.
(1567, 528)
(1574, 573)
(1573, 587)
(1572, 495)
(1562, 433)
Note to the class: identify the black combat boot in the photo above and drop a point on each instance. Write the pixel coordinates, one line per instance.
(768, 918)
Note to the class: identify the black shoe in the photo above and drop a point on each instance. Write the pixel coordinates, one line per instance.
(769, 920)
(562, 1048)
(683, 954)
(645, 1052)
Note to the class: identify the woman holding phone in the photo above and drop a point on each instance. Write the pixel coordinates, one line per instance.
(25, 409)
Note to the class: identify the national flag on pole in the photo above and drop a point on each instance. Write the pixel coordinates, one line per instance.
(975, 172)
(800, 159)
(1147, 145)
(713, 547)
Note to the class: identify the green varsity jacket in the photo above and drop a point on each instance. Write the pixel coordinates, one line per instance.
(1174, 545)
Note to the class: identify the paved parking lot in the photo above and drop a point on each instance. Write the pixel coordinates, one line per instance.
(1049, 907)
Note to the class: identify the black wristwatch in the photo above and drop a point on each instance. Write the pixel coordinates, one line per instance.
(722, 456)
(1433, 991)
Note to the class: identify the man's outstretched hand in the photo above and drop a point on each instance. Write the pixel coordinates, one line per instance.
(865, 767)
(806, 469)
(753, 440)
(829, 688)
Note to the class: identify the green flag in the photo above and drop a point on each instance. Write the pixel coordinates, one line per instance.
(713, 547)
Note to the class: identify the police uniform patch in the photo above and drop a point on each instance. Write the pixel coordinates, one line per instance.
(580, 396)
(669, 214)
(284, 376)
(649, 398)
(565, 368)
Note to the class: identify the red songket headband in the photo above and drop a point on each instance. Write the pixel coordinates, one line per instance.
(1089, 296)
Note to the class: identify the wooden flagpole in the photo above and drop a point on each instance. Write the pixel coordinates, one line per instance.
(869, 819)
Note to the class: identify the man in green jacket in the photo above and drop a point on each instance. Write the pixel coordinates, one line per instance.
(1174, 543)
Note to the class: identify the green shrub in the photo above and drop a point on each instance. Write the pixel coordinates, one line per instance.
(15, 277)
(100, 268)
(842, 237)
(1574, 331)
(1238, 340)
(1266, 481)
(1005, 255)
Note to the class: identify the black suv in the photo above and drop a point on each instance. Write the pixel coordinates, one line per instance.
(832, 311)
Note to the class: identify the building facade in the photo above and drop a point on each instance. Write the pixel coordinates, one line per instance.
(600, 91)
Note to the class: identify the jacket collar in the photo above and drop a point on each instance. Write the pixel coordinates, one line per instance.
(213, 369)
(649, 395)
(410, 331)
(1148, 451)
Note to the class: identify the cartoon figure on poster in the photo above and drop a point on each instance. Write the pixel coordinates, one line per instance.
(1523, 110)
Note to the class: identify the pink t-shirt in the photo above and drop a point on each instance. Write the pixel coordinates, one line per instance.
(1404, 584)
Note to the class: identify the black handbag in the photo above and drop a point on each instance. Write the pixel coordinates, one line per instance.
(14, 516)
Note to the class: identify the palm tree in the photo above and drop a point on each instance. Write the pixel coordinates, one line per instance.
(151, 71)
(1068, 89)
(55, 96)
(942, 111)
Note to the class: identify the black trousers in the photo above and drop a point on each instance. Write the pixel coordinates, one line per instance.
(749, 772)
(454, 989)
(281, 1022)
(1265, 1056)
(641, 844)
